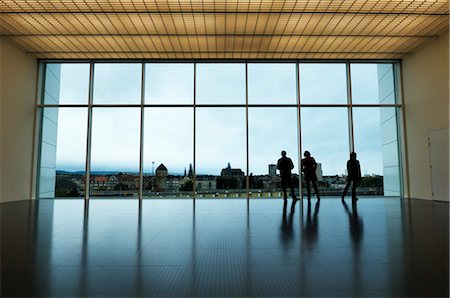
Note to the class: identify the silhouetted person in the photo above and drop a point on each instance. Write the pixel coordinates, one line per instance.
(309, 167)
(353, 176)
(285, 166)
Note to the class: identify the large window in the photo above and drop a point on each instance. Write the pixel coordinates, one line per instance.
(115, 152)
(168, 152)
(220, 152)
(204, 129)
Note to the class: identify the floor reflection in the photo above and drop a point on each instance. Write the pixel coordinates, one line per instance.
(224, 248)
(310, 225)
(355, 224)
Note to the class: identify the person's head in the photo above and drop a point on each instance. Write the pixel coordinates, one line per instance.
(307, 154)
(353, 155)
(283, 153)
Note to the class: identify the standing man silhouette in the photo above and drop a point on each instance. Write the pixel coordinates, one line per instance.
(309, 167)
(285, 166)
(353, 175)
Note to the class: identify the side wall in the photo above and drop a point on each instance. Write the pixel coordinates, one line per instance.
(426, 95)
(18, 73)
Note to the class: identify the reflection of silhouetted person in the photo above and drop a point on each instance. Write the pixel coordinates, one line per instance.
(309, 167)
(287, 234)
(356, 224)
(356, 236)
(354, 175)
(311, 226)
(285, 166)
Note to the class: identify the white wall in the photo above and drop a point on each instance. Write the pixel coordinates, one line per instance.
(18, 74)
(426, 95)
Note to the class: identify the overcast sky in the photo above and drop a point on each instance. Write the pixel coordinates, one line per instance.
(220, 132)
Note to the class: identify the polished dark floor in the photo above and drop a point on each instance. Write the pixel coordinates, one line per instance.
(381, 247)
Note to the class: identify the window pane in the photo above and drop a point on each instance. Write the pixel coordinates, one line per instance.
(115, 151)
(271, 130)
(168, 152)
(323, 83)
(272, 83)
(376, 143)
(66, 83)
(167, 83)
(220, 83)
(63, 152)
(220, 152)
(372, 83)
(117, 83)
(325, 136)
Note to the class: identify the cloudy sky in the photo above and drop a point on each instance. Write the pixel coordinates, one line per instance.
(220, 132)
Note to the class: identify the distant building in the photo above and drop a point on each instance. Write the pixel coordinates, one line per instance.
(206, 183)
(190, 173)
(112, 181)
(100, 181)
(128, 180)
(319, 172)
(272, 170)
(161, 170)
(229, 172)
(161, 177)
(174, 182)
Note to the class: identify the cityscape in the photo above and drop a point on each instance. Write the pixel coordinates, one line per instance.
(230, 183)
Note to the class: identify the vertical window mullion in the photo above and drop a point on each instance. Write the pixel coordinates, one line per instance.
(299, 130)
(141, 136)
(87, 181)
(350, 109)
(247, 179)
(40, 118)
(194, 177)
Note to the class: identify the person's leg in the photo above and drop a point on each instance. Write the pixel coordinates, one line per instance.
(316, 190)
(346, 189)
(283, 185)
(355, 184)
(308, 188)
(291, 186)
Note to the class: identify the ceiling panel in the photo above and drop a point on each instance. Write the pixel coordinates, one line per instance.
(358, 29)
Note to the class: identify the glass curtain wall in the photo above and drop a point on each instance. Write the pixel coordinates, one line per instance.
(272, 84)
(215, 130)
(168, 130)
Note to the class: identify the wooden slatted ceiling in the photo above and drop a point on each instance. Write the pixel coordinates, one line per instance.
(205, 29)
